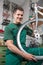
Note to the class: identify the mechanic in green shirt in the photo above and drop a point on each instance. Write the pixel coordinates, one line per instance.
(14, 56)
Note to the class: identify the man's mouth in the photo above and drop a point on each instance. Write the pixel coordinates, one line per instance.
(20, 18)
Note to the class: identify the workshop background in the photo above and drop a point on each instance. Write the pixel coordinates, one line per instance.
(6, 7)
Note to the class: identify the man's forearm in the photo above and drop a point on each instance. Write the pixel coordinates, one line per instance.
(13, 48)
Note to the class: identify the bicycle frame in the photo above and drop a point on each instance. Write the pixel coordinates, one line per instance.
(18, 35)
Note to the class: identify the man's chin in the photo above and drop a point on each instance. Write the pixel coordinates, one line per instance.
(19, 21)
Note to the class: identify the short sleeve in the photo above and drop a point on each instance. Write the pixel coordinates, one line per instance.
(7, 34)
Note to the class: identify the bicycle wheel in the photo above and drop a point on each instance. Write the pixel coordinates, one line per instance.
(18, 38)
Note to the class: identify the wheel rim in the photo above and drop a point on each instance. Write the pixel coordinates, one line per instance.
(18, 38)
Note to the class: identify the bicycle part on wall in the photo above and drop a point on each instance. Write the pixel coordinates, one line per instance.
(5, 22)
(6, 12)
(6, 4)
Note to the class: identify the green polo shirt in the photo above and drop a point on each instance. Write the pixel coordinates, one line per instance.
(11, 34)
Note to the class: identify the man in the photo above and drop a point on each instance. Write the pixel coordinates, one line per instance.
(14, 55)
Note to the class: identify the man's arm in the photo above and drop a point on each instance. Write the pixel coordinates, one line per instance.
(14, 49)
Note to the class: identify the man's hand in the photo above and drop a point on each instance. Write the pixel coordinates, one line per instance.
(29, 56)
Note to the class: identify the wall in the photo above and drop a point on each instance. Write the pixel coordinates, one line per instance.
(26, 10)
